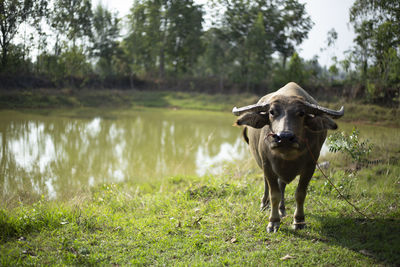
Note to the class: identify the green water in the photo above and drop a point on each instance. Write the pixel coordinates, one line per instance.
(59, 153)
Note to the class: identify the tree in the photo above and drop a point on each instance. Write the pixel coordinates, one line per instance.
(296, 70)
(146, 36)
(105, 33)
(73, 64)
(238, 21)
(72, 21)
(377, 28)
(291, 27)
(216, 59)
(183, 43)
(164, 34)
(13, 13)
(250, 42)
(332, 37)
(259, 51)
(73, 18)
(257, 29)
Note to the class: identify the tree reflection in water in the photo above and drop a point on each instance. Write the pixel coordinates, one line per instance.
(57, 155)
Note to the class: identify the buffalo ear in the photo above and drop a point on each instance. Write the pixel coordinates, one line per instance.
(320, 123)
(254, 120)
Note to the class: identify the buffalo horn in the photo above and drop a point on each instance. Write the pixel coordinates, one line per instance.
(316, 109)
(251, 108)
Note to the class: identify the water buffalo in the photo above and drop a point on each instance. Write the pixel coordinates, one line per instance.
(282, 131)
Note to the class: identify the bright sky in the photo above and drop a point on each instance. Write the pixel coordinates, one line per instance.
(326, 14)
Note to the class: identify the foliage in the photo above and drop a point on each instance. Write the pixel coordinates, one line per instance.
(72, 19)
(164, 36)
(350, 144)
(166, 40)
(72, 62)
(183, 39)
(253, 31)
(245, 46)
(296, 71)
(15, 59)
(14, 13)
(216, 58)
(376, 24)
(332, 37)
(106, 30)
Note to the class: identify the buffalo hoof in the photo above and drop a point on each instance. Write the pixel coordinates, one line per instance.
(273, 227)
(299, 225)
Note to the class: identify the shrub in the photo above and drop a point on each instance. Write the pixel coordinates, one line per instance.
(351, 145)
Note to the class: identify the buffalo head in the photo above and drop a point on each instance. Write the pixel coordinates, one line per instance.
(289, 118)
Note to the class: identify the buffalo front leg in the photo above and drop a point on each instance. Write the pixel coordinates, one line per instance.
(275, 199)
(282, 208)
(300, 196)
(265, 198)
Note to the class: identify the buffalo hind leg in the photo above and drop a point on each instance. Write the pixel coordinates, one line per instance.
(265, 199)
(300, 195)
(282, 208)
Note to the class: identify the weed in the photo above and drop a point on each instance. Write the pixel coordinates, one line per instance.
(351, 145)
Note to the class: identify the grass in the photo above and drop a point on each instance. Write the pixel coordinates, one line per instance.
(210, 220)
(367, 113)
(121, 98)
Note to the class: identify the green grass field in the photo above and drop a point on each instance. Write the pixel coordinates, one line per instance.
(211, 220)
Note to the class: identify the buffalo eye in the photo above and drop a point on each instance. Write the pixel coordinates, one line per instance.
(272, 112)
(301, 113)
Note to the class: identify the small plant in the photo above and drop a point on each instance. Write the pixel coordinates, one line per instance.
(351, 145)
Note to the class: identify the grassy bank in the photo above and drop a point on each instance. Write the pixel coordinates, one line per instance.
(211, 220)
(120, 98)
(44, 99)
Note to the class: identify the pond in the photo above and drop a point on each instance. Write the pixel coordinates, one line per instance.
(58, 153)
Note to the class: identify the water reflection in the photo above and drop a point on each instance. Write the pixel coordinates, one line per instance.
(56, 155)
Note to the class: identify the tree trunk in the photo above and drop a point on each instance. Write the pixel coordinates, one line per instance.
(131, 81)
(4, 49)
(162, 48)
(247, 71)
(221, 83)
(284, 59)
(162, 63)
(4, 58)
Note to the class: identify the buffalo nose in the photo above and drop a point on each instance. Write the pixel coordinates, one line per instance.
(285, 138)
